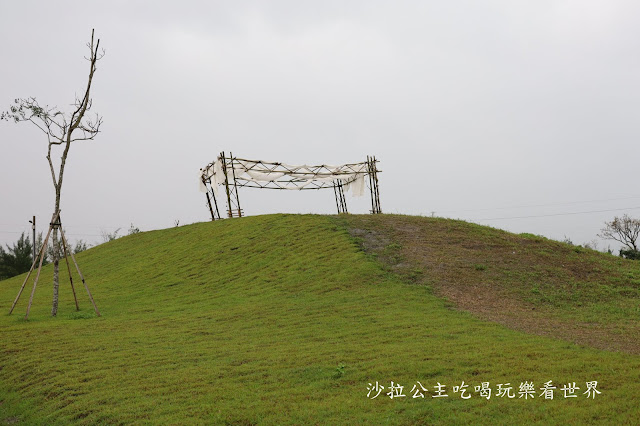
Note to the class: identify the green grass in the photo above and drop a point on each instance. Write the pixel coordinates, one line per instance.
(558, 281)
(277, 319)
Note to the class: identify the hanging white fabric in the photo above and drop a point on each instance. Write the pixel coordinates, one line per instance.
(285, 176)
(357, 186)
(203, 187)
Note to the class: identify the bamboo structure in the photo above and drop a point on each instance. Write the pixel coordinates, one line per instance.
(233, 173)
(55, 224)
(373, 185)
(341, 201)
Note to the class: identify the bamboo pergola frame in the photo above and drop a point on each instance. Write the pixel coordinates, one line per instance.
(285, 177)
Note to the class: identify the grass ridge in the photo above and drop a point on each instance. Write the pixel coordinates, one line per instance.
(278, 319)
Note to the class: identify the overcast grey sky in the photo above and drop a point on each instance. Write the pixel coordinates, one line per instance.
(485, 111)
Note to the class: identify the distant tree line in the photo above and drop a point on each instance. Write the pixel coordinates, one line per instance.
(18, 258)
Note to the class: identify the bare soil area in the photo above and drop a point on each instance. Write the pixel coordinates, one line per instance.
(527, 283)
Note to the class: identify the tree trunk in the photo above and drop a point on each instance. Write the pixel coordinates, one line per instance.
(56, 255)
(56, 262)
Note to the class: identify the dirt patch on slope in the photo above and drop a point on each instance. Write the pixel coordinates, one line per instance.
(526, 283)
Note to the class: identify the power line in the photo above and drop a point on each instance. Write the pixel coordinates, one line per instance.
(70, 226)
(560, 214)
(74, 234)
(540, 205)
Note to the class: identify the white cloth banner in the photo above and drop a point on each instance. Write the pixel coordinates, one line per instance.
(203, 187)
(357, 187)
(351, 175)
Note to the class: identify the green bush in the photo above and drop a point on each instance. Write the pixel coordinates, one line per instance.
(630, 254)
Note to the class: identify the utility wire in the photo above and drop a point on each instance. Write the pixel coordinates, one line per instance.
(538, 205)
(560, 214)
(66, 233)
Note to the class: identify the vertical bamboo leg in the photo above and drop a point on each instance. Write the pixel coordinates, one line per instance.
(344, 199)
(226, 185)
(64, 240)
(44, 245)
(35, 260)
(210, 207)
(335, 192)
(66, 258)
(340, 198)
(235, 186)
(371, 187)
(375, 178)
(215, 202)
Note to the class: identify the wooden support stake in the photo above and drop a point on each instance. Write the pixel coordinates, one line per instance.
(66, 258)
(35, 282)
(35, 260)
(64, 240)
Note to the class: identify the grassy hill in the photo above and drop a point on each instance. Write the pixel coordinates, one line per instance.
(288, 319)
(526, 282)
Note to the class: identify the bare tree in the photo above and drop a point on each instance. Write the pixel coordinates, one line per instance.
(625, 230)
(61, 129)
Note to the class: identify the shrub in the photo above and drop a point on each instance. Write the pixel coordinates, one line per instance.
(630, 254)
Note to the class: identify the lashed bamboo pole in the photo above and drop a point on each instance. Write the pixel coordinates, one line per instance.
(64, 241)
(371, 188)
(204, 182)
(235, 187)
(35, 260)
(215, 202)
(65, 249)
(210, 207)
(343, 201)
(226, 184)
(335, 192)
(375, 177)
(44, 245)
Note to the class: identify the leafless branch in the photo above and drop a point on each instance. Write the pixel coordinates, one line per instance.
(624, 230)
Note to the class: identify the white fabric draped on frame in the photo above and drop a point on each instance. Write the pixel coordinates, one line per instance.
(352, 176)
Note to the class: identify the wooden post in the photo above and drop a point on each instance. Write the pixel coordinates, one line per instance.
(210, 207)
(370, 176)
(64, 240)
(235, 186)
(226, 185)
(213, 207)
(372, 171)
(377, 191)
(335, 192)
(33, 228)
(35, 260)
(66, 258)
(340, 198)
(44, 245)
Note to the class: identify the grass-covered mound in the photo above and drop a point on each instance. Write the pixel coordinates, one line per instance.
(277, 319)
(525, 281)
